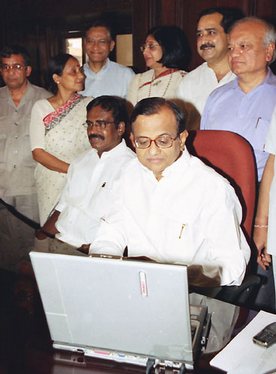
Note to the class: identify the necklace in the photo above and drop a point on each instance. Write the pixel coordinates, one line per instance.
(159, 76)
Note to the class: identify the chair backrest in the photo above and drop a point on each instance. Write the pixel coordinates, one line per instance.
(232, 156)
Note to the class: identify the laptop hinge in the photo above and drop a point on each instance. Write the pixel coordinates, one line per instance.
(161, 366)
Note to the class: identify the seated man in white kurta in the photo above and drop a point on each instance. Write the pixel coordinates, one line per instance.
(86, 196)
(171, 207)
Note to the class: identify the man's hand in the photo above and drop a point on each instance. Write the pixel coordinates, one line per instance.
(204, 276)
(84, 249)
(49, 227)
(264, 259)
(260, 238)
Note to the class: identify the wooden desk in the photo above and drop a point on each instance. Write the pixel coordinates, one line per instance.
(26, 348)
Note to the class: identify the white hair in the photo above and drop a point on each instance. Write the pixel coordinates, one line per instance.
(270, 32)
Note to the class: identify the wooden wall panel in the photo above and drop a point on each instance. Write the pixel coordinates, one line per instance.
(266, 9)
(41, 25)
(141, 22)
(184, 13)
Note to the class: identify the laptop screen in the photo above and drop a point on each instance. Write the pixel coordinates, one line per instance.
(114, 307)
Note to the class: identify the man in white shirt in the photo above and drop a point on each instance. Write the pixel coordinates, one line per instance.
(103, 77)
(170, 206)
(86, 197)
(212, 46)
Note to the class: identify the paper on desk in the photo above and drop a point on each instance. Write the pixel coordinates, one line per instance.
(242, 356)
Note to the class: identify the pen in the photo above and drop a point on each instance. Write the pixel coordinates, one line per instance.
(258, 119)
(181, 230)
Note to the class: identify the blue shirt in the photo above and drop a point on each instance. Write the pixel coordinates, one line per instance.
(112, 79)
(248, 114)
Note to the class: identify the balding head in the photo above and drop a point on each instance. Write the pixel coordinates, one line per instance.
(252, 47)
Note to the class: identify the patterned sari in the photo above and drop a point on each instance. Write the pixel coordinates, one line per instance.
(65, 138)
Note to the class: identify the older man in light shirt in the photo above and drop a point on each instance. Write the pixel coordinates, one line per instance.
(246, 104)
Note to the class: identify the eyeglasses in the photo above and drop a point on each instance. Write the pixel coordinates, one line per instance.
(98, 123)
(16, 67)
(162, 141)
(100, 42)
(150, 46)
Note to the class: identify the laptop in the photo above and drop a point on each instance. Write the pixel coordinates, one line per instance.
(127, 311)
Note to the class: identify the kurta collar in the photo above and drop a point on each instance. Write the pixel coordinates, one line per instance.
(178, 166)
(103, 69)
(121, 147)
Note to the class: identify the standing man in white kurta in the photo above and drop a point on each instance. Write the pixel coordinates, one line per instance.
(212, 46)
(170, 206)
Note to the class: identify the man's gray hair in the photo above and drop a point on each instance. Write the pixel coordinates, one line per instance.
(270, 33)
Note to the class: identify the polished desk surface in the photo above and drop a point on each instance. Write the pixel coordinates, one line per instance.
(26, 346)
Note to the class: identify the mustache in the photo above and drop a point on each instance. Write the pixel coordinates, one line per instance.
(95, 136)
(207, 45)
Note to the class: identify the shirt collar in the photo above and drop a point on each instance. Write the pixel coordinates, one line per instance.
(25, 98)
(180, 163)
(121, 147)
(88, 71)
(178, 166)
(270, 78)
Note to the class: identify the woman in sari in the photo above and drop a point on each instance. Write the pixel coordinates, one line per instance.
(56, 130)
(166, 53)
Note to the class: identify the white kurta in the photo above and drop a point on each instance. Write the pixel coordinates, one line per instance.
(165, 86)
(86, 197)
(66, 141)
(197, 85)
(191, 216)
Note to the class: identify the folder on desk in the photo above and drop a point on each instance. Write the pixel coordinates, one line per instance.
(128, 311)
(242, 356)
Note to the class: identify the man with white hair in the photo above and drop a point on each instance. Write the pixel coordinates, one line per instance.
(246, 104)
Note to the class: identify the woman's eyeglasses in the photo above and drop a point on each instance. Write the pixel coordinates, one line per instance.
(150, 46)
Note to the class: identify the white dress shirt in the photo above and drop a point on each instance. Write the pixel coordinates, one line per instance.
(86, 197)
(197, 85)
(191, 216)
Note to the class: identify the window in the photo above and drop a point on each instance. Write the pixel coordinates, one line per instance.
(74, 48)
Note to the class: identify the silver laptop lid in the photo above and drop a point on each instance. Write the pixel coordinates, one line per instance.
(134, 307)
